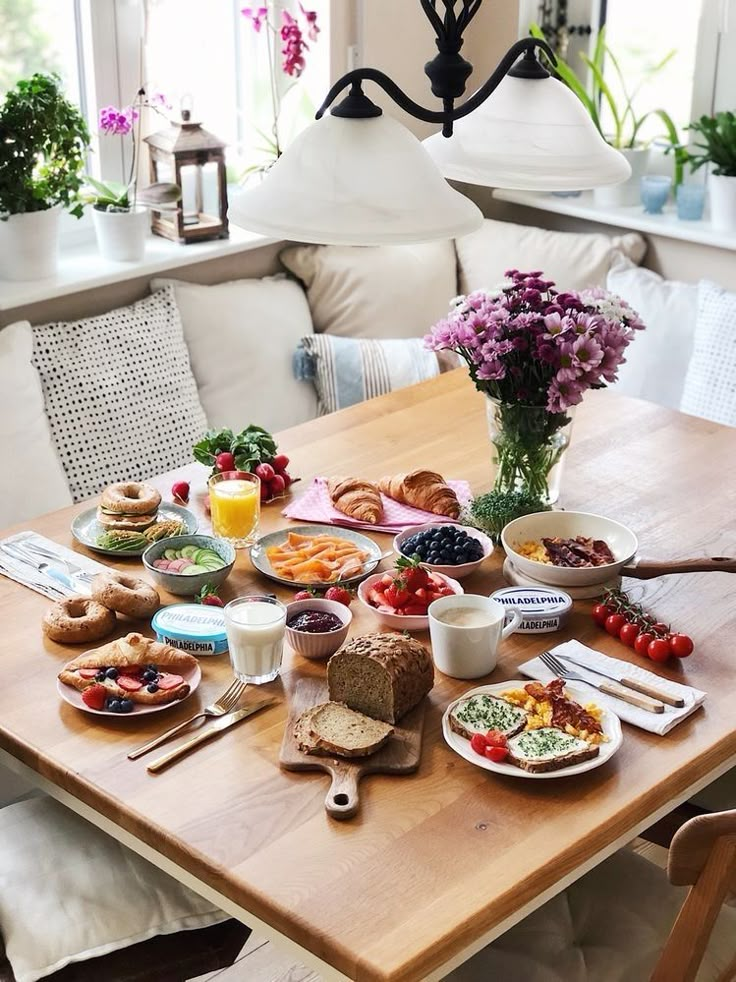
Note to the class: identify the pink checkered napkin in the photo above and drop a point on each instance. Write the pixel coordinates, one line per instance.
(314, 505)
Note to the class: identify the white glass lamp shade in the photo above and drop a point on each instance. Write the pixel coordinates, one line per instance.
(355, 182)
(530, 134)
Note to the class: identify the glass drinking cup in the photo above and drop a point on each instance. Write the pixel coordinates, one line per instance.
(255, 627)
(235, 506)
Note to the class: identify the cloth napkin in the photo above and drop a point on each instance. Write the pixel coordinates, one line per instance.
(659, 723)
(41, 582)
(314, 505)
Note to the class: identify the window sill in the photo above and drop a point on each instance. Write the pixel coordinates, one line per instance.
(81, 267)
(667, 224)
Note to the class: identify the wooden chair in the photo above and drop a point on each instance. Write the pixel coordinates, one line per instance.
(628, 919)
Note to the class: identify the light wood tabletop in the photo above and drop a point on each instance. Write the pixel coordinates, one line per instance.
(439, 862)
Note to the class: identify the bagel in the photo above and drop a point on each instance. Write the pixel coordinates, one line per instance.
(126, 523)
(130, 498)
(125, 594)
(78, 620)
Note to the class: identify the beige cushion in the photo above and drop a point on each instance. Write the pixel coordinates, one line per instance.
(31, 477)
(573, 260)
(608, 927)
(376, 291)
(241, 337)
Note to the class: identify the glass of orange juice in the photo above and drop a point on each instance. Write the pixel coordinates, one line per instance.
(235, 505)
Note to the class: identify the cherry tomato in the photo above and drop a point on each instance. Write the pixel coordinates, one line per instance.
(614, 623)
(659, 628)
(497, 754)
(659, 650)
(479, 743)
(629, 633)
(641, 645)
(681, 645)
(494, 738)
(600, 613)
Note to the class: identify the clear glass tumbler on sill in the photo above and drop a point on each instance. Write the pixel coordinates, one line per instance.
(655, 190)
(690, 202)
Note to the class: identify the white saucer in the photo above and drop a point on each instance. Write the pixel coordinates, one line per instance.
(512, 575)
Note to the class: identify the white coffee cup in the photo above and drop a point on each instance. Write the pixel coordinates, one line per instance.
(465, 630)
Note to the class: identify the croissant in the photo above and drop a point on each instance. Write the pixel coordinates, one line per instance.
(422, 489)
(356, 498)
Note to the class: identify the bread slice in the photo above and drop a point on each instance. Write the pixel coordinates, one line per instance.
(483, 712)
(548, 749)
(331, 728)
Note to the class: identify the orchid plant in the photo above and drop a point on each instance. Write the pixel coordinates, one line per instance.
(293, 34)
(126, 123)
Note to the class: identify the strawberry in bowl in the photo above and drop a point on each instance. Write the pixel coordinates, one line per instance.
(401, 598)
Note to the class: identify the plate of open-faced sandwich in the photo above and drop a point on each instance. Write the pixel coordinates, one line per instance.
(524, 728)
(130, 675)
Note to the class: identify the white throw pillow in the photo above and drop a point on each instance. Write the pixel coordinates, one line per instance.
(573, 260)
(120, 396)
(656, 362)
(241, 337)
(31, 478)
(710, 385)
(68, 892)
(376, 291)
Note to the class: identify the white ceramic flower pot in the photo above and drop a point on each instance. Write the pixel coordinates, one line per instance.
(627, 193)
(121, 235)
(722, 202)
(29, 245)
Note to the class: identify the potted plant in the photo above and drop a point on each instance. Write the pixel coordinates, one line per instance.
(718, 149)
(120, 211)
(625, 136)
(43, 144)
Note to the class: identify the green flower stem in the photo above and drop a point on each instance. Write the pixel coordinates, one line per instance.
(528, 443)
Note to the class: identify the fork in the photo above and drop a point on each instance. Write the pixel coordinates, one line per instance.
(72, 569)
(642, 702)
(227, 701)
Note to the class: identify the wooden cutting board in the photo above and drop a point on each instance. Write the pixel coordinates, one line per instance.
(399, 756)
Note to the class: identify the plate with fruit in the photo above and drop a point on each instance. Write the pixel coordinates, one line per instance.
(401, 598)
(170, 520)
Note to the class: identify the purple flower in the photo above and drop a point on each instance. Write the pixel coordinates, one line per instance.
(311, 18)
(562, 395)
(256, 15)
(160, 100)
(294, 45)
(117, 122)
(587, 353)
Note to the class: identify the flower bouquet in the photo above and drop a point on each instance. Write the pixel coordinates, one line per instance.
(535, 352)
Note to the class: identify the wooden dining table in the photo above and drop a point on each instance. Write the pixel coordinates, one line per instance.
(439, 863)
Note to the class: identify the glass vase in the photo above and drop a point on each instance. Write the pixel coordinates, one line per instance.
(529, 445)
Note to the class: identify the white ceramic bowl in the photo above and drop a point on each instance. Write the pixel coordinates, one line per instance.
(454, 572)
(323, 644)
(402, 622)
(568, 524)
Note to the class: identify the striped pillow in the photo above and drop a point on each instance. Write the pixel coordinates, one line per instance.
(349, 370)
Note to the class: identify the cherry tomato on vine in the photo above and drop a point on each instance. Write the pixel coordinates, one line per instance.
(681, 645)
(641, 645)
(614, 623)
(600, 613)
(659, 628)
(659, 650)
(629, 633)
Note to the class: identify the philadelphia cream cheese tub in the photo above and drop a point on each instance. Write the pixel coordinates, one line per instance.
(196, 628)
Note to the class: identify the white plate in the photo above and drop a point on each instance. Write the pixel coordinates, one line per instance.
(610, 722)
(262, 563)
(74, 697)
(86, 529)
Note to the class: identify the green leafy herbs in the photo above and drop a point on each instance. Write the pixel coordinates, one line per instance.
(43, 148)
(251, 447)
(490, 512)
(718, 134)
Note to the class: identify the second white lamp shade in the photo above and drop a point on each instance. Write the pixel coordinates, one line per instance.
(530, 134)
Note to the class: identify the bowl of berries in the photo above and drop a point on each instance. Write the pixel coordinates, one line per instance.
(400, 598)
(452, 550)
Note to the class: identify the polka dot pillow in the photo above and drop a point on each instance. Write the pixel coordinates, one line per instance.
(119, 393)
(710, 384)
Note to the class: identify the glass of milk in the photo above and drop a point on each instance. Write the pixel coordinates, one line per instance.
(255, 635)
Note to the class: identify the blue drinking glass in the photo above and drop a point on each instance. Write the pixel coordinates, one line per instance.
(690, 202)
(655, 190)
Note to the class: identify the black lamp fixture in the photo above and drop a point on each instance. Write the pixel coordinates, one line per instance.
(358, 177)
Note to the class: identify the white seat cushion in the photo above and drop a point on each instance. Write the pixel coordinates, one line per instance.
(31, 478)
(376, 291)
(241, 337)
(120, 396)
(710, 384)
(609, 926)
(656, 363)
(68, 892)
(574, 260)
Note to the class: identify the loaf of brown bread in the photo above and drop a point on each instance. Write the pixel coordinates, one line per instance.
(381, 675)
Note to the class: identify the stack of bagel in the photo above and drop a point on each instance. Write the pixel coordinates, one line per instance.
(128, 506)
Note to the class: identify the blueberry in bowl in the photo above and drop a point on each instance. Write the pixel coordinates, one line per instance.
(453, 550)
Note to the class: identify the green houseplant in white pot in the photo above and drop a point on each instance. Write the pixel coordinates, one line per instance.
(718, 148)
(43, 145)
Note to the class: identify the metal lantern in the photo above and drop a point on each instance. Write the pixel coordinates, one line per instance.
(187, 155)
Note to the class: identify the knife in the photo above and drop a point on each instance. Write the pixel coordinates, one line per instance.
(220, 724)
(647, 690)
(16, 553)
(45, 589)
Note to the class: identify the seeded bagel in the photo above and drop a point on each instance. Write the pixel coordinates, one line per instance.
(130, 498)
